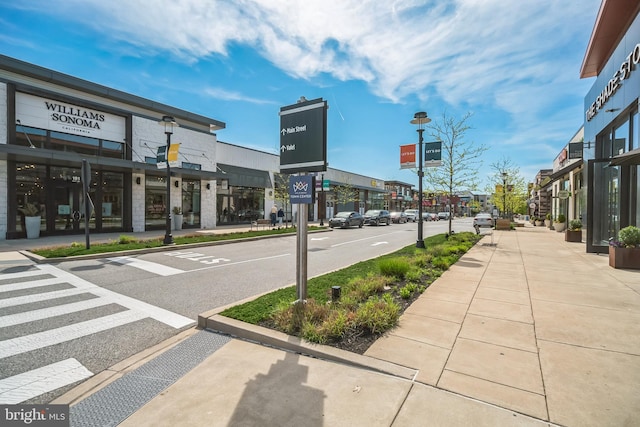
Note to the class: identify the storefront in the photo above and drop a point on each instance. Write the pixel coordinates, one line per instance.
(54, 122)
(612, 126)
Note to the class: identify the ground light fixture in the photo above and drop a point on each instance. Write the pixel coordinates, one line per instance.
(420, 118)
(169, 123)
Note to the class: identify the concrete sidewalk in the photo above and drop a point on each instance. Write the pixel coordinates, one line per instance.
(529, 331)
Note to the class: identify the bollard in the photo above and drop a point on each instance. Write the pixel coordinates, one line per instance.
(335, 293)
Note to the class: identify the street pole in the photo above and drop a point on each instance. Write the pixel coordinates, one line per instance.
(168, 123)
(419, 119)
(504, 194)
(321, 204)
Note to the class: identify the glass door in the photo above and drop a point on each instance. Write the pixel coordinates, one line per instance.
(67, 207)
(604, 205)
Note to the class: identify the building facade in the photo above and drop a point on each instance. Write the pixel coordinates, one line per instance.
(52, 123)
(611, 123)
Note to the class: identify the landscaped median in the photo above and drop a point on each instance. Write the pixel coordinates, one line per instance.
(373, 295)
(131, 245)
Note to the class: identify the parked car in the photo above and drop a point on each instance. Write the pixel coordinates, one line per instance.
(346, 219)
(412, 214)
(482, 220)
(443, 215)
(377, 217)
(398, 217)
(426, 216)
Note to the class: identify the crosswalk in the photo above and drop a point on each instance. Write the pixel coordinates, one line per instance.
(41, 293)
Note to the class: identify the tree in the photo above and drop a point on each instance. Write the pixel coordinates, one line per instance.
(513, 198)
(344, 193)
(281, 191)
(461, 159)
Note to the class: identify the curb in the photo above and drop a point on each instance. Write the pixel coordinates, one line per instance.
(280, 340)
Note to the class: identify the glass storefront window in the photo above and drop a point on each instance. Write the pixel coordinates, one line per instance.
(635, 138)
(191, 202)
(30, 186)
(27, 136)
(111, 209)
(621, 136)
(240, 205)
(155, 202)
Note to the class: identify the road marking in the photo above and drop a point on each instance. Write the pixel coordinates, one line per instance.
(319, 238)
(160, 314)
(29, 285)
(151, 267)
(239, 262)
(25, 386)
(31, 342)
(28, 273)
(45, 296)
(379, 243)
(44, 313)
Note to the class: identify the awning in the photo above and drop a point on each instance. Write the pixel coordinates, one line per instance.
(557, 174)
(244, 177)
(629, 158)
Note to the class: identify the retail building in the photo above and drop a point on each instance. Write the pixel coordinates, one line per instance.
(51, 122)
(611, 147)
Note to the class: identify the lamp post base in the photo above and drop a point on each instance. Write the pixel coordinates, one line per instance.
(420, 244)
(168, 239)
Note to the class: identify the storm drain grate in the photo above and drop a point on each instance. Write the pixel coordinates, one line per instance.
(118, 400)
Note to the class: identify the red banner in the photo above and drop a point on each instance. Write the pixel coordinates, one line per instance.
(408, 156)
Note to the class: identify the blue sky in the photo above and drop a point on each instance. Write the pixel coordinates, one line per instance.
(514, 65)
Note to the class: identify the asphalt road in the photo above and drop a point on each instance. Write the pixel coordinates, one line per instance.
(82, 317)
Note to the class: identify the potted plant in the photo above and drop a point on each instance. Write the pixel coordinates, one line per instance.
(177, 218)
(560, 223)
(625, 252)
(32, 220)
(547, 220)
(539, 221)
(574, 232)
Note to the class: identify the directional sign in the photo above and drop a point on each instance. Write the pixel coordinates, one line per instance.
(303, 137)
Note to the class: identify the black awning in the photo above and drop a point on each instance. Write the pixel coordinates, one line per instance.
(557, 174)
(629, 158)
(244, 177)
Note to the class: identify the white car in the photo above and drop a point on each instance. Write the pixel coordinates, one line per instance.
(482, 220)
(412, 214)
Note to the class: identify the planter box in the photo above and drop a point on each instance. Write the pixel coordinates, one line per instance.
(573, 236)
(177, 221)
(503, 224)
(624, 257)
(32, 224)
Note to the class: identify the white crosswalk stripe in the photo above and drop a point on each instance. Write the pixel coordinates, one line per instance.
(44, 282)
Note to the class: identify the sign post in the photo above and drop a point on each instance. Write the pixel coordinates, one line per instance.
(303, 148)
(85, 172)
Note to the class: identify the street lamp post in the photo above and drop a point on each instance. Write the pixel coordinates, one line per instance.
(168, 122)
(504, 194)
(420, 118)
(322, 204)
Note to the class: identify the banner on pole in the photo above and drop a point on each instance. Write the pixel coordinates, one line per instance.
(408, 156)
(433, 154)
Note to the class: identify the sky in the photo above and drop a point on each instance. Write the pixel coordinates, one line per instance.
(512, 65)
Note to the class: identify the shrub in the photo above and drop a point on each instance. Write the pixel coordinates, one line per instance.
(548, 216)
(575, 225)
(561, 218)
(378, 315)
(630, 236)
(124, 240)
(394, 267)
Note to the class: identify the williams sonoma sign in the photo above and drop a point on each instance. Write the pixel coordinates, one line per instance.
(63, 117)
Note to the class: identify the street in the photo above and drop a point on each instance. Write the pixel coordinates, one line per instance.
(62, 323)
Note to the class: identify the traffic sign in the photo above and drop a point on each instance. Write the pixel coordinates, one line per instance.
(563, 194)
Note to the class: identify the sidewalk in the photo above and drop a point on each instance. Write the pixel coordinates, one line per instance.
(531, 331)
